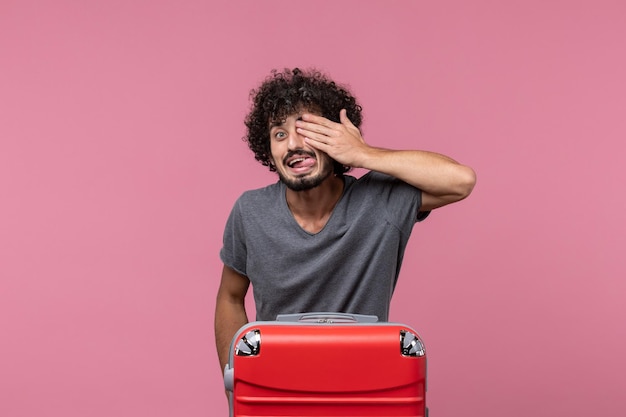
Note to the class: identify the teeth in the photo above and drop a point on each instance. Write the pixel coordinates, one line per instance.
(295, 161)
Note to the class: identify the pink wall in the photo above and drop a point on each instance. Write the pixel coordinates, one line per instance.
(120, 158)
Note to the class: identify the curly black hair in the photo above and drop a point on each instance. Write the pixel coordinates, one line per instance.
(285, 93)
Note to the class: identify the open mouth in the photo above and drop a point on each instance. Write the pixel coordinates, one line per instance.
(300, 161)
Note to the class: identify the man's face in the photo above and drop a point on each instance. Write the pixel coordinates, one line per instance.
(299, 166)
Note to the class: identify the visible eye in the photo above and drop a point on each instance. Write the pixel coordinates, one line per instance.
(279, 135)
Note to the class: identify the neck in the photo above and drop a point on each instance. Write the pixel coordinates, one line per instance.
(312, 208)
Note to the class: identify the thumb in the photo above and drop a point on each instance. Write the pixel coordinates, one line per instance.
(343, 117)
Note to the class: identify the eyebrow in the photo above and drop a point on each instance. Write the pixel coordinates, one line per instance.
(277, 123)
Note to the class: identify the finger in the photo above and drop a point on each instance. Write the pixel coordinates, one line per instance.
(319, 120)
(305, 127)
(343, 117)
(317, 137)
(322, 146)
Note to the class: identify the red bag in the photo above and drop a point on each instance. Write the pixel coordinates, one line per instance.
(326, 364)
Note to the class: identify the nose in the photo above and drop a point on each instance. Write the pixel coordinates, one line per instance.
(295, 140)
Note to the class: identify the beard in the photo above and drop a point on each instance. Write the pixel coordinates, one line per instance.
(307, 182)
(304, 183)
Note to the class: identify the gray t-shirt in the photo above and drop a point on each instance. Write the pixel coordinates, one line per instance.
(351, 265)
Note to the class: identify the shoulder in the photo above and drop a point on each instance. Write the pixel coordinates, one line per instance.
(255, 207)
(389, 193)
(376, 180)
(264, 195)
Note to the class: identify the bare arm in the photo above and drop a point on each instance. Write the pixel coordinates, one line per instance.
(441, 179)
(230, 311)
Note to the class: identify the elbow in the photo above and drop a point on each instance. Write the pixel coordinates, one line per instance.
(459, 185)
(466, 180)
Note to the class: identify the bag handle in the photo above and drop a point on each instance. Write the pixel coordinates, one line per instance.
(324, 317)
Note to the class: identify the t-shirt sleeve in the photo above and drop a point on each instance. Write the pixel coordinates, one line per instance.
(234, 251)
(402, 200)
(421, 215)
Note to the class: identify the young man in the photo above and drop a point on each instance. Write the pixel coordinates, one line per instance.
(319, 240)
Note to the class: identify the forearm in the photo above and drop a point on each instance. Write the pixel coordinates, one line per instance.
(433, 173)
(230, 315)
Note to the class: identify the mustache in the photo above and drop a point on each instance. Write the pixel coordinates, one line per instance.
(291, 154)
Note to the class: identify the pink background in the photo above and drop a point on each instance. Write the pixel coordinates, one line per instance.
(120, 158)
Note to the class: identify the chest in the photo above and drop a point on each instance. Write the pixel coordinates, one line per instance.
(312, 225)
